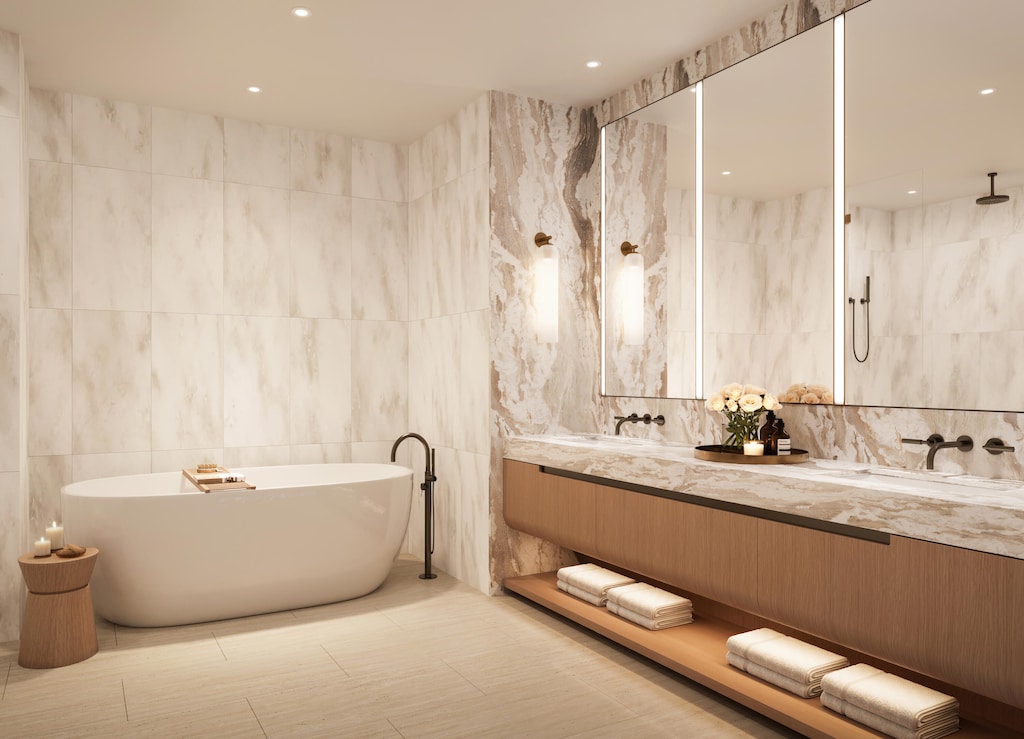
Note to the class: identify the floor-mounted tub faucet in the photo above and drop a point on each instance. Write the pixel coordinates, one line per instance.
(427, 486)
(935, 442)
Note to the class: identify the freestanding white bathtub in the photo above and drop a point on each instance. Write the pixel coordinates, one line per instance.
(307, 535)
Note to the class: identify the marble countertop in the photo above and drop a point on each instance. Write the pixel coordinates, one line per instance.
(958, 510)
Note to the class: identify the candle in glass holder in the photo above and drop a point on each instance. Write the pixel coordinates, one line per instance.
(753, 448)
(55, 534)
(42, 548)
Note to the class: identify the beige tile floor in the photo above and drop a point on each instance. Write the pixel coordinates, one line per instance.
(415, 658)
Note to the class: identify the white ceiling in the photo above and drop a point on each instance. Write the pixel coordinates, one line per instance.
(383, 69)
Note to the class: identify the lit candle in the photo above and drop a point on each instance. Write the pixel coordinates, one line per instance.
(55, 534)
(753, 448)
(43, 548)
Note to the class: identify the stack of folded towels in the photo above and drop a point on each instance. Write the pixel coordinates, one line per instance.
(782, 660)
(889, 704)
(590, 582)
(650, 607)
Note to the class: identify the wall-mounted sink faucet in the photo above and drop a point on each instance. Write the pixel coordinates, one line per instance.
(634, 418)
(935, 442)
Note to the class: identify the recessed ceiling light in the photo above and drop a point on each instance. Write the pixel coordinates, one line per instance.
(911, 192)
(987, 91)
(254, 88)
(593, 64)
(726, 171)
(301, 12)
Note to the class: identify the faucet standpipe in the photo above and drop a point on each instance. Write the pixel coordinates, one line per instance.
(427, 486)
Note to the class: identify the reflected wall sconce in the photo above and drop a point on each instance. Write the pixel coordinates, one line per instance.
(545, 289)
(632, 295)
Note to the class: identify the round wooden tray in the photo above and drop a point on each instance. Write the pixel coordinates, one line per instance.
(719, 453)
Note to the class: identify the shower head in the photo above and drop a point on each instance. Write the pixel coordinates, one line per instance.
(992, 198)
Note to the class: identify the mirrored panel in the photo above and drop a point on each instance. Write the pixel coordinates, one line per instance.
(649, 188)
(935, 263)
(768, 221)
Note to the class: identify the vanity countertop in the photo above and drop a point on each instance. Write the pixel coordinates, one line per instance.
(958, 510)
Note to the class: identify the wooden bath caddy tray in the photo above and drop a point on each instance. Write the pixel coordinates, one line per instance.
(207, 481)
(719, 453)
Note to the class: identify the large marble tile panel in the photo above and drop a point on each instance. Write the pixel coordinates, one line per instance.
(380, 260)
(256, 381)
(188, 245)
(256, 259)
(111, 387)
(734, 287)
(256, 154)
(473, 123)
(49, 132)
(434, 159)
(472, 429)
(380, 363)
(810, 264)
(379, 171)
(423, 289)
(49, 381)
(952, 300)
(46, 477)
(111, 133)
(964, 220)
(188, 405)
(897, 303)
(682, 366)
(731, 219)
(10, 383)
(49, 235)
(111, 239)
(998, 386)
(319, 453)
(321, 255)
(435, 379)
(257, 456)
(117, 464)
(13, 543)
(378, 452)
(733, 358)
(475, 240)
(173, 460)
(321, 162)
(952, 368)
(1000, 274)
(11, 71)
(188, 144)
(908, 228)
(321, 360)
(12, 197)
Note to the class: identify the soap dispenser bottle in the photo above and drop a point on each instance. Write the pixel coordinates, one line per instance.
(782, 442)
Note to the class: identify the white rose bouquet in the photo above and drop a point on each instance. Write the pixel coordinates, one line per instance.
(809, 394)
(742, 406)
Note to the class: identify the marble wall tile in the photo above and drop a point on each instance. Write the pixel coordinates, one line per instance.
(321, 162)
(109, 133)
(10, 74)
(256, 381)
(46, 477)
(380, 260)
(474, 134)
(256, 154)
(953, 300)
(111, 385)
(434, 159)
(319, 453)
(188, 144)
(434, 379)
(49, 132)
(257, 456)
(256, 252)
(321, 255)
(321, 385)
(380, 171)
(423, 299)
(734, 357)
(962, 220)
(380, 452)
(735, 296)
(380, 358)
(95, 466)
(188, 376)
(472, 391)
(12, 199)
(49, 234)
(49, 382)
(474, 198)
(998, 385)
(952, 370)
(172, 460)
(13, 543)
(111, 239)
(188, 245)
(1000, 274)
(10, 383)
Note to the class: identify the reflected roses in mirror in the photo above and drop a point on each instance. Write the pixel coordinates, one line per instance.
(742, 406)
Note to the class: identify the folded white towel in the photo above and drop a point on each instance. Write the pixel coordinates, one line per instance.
(897, 700)
(595, 600)
(804, 690)
(941, 725)
(649, 601)
(654, 624)
(799, 661)
(592, 578)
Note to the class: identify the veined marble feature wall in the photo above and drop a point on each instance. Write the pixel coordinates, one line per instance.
(206, 289)
(15, 534)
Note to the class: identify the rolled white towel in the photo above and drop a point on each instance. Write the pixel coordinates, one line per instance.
(649, 601)
(592, 578)
(938, 727)
(792, 658)
(594, 600)
(654, 624)
(804, 690)
(891, 697)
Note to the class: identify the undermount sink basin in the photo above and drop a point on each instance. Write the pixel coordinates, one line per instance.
(946, 485)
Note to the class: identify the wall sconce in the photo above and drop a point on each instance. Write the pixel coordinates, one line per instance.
(545, 289)
(632, 295)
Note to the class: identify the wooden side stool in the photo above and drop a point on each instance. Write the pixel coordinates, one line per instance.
(58, 627)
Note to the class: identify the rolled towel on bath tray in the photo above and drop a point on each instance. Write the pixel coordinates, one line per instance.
(799, 663)
(650, 602)
(592, 579)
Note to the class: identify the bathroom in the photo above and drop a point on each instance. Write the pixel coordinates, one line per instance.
(294, 374)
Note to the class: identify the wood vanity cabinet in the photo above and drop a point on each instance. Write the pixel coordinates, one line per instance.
(951, 614)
